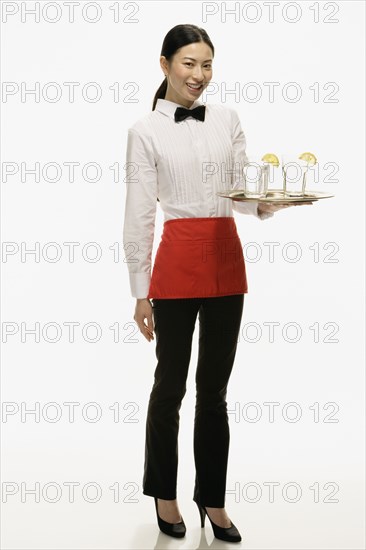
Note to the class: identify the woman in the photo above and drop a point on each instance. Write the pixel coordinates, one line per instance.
(182, 159)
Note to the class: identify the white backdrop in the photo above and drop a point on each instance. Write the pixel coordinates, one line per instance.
(76, 372)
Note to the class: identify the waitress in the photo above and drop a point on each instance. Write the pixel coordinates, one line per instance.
(182, 154)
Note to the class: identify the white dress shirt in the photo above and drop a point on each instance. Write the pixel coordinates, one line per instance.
(184, 164)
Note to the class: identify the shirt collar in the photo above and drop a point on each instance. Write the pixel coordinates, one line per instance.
(168, 107)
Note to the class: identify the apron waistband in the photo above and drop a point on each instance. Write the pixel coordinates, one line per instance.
(191, 229)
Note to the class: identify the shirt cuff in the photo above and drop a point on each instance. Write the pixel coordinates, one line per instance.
(244, 207)
(140, 283)
(251, 207)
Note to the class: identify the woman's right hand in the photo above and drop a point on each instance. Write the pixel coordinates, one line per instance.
(144, 311)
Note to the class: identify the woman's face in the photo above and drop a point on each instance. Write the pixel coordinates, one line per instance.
(191, 64)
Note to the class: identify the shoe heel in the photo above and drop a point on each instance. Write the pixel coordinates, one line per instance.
(228, 534)
(202, 512)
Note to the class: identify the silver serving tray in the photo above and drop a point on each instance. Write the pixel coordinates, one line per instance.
(276, 196)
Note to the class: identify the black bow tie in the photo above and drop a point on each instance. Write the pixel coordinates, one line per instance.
(198, 112)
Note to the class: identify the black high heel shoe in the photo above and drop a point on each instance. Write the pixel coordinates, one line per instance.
(229, 534)
(177, 530)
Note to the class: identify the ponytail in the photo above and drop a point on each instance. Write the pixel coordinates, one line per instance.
(160, 93)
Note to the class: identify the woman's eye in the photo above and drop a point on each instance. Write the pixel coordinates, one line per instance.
(206, 66)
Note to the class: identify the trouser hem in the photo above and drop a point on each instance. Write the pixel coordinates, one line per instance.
(157, 494)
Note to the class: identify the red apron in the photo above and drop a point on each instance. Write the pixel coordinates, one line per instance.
(197, 258)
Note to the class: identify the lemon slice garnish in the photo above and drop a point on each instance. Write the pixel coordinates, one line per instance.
(309, 158)
(271, 158)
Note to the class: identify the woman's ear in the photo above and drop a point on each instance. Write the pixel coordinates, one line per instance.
(163, 64)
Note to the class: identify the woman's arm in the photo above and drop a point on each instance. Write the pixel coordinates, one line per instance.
(140, 211)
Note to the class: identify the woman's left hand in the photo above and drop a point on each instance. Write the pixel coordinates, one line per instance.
(273, 207)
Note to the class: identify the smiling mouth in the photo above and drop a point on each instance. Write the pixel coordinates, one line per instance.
(193, 87)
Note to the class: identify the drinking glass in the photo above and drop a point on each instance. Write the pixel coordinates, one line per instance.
(255, 177)
(294, 174)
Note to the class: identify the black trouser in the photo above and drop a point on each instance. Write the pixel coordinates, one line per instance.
(219, 325)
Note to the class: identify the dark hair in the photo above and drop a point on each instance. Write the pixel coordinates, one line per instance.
(177, 37)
